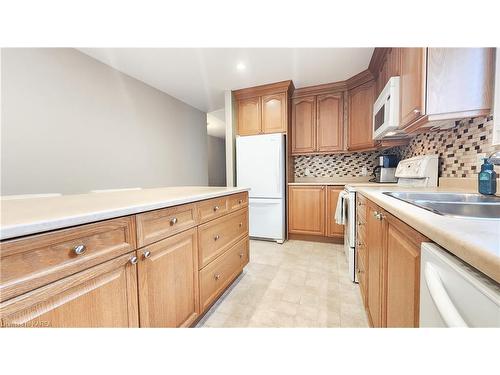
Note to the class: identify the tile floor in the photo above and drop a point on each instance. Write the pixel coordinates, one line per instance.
(297, 284)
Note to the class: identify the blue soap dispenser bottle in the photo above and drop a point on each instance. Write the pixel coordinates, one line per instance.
(487, 179)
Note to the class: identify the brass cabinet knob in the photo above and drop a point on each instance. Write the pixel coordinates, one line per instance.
(416, 111)
(216, 208)
(173, 221)
(146, 254)
(241, 255)
(216, 237)
(241, 224)
(217, 276)
(240, 201)
(133, 260)
(79, 249)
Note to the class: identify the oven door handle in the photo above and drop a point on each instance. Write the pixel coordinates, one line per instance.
(441, 299)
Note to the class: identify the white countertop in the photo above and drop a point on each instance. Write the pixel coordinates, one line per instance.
(25, 216)
(476, 241)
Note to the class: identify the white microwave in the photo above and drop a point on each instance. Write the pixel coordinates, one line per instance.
(386, 111)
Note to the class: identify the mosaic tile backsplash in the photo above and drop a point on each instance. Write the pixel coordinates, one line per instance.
(459, 149)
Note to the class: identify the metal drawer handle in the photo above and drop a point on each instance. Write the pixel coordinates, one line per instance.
(173, 221)
(240, 201)
(146, 254)
(216, 208)
(360, 223)
(360, 244)
(133, 260)
(79, 249)
(416, 111)
(216, 237)
(241, 224)
(241, 255)
(217, 276)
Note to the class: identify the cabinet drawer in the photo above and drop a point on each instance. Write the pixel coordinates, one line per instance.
(237, 201)
(156, 225)
(31, 262)
(217, 236)
(212, 209)
(360, 208)
(215, 277)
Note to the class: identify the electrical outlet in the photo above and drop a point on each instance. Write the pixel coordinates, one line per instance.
(364, 171)
(307, 172)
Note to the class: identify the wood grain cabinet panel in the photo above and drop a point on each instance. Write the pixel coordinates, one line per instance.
(30, 262)
(374, 253)
(332, 228)
(218, 235)
(360, 103)
(330, 123)
(402, 274)
(306, 206)
(156, 225)
(304, 125)
(102, 296)
(249, 116)
(412, 85)
(216, 276)
(237, 201)
(212, 209)
(168, 281)
(274, 113)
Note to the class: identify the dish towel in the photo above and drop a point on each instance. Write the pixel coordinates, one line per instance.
(341, 209)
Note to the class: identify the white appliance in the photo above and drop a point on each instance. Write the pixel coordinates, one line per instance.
(386, 111)
(260, 165)
(419, 171)
(453, 294)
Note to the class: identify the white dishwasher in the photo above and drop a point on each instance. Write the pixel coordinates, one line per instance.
(453, 294)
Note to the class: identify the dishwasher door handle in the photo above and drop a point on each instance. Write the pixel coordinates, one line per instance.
(442, 300)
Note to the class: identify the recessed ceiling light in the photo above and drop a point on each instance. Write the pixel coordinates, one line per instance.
(240, 66)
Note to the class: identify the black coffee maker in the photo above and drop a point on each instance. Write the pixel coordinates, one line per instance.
(386, 169)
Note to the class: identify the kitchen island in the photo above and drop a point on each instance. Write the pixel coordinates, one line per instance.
(138, 258)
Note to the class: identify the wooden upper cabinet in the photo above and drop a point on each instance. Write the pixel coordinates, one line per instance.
(249, 120)
(360, 101)
(402, 274)
(168, 281)
(332, 228)
(374, 248)
(101, 296)
(274, 110)
(306, 210)
(412, 85)
(393, 62)
(330, 123)
(304, 125)
(263, 109)
(459, 81)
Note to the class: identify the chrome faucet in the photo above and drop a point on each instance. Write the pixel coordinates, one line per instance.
(494, 158)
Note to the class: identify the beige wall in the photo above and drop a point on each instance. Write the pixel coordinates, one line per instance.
(71, 124)
(216, 161)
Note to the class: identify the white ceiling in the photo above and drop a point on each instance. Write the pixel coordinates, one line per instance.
(199, 76)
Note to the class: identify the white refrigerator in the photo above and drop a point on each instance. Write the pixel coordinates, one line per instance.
(260, 165)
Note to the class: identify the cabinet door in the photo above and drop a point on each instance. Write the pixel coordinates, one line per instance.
(307, 210)
(361, 100)
(402, 284)
(374, 248)
(412, 85)
(249, 116)
(330, 123)
(304, 125)
(168, 281)
(393, 62)
(274, 108)
(101, 296)
(332, 228)
(382, 77)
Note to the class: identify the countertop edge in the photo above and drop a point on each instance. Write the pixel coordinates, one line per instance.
(467, 251)
(14, 231)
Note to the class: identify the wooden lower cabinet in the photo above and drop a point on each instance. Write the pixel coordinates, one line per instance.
(402, 274)
(306, 210)
(392, 285)
(332, 228)
(168, 281)
(101, 296)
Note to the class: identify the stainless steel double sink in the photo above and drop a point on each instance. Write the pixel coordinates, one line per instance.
(453, 204)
